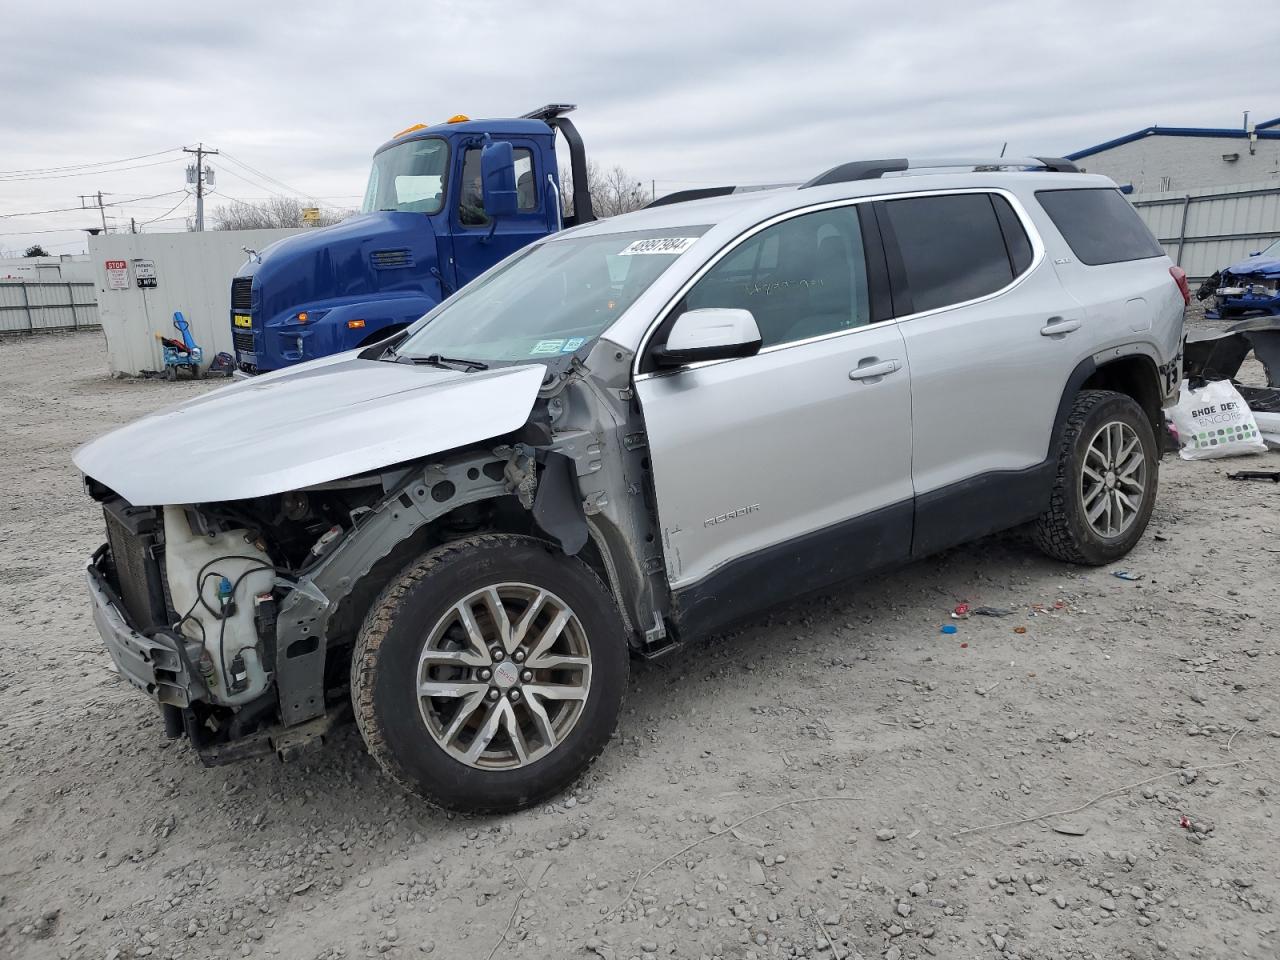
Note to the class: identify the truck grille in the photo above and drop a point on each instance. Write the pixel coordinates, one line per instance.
(242, 293)
(242, 340)
(132, 533)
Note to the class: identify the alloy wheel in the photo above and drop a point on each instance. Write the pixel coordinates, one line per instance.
(503, 676)
(1113, 479)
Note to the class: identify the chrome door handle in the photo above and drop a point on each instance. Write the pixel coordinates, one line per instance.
(875, 369)
(1057, 326)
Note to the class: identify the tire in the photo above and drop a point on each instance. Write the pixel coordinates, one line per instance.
(1065, 531)
(415, 633)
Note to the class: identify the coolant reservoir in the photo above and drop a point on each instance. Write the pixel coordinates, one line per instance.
(247, 571)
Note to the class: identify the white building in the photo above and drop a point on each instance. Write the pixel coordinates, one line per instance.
(68, 268)
(1163, 159)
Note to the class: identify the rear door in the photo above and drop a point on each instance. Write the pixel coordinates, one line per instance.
(791, 469)
(992, 339)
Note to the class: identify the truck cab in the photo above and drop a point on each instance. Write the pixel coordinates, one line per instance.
(443, 204)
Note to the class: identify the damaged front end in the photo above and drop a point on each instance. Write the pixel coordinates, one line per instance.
(187, 598)
(1248, 289)
(238, 616)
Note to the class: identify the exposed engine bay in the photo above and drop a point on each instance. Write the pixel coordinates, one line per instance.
(239, 614)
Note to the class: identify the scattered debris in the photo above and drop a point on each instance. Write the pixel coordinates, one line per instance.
(949, 628)
(1126, 575)
(1272, 475)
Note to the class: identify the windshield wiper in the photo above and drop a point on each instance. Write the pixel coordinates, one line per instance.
(448, 363)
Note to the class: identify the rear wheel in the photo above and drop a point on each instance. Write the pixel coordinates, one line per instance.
(1106, 481)
(490, 673)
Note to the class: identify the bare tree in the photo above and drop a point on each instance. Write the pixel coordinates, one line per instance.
(612, 191)
(268, 214)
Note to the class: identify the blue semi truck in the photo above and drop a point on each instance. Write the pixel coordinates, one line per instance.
(444, 203)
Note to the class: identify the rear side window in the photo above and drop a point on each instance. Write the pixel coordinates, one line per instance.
(952, 248)
(1099, 225)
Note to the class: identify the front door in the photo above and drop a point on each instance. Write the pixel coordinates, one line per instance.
(477, 245)
(791, 469)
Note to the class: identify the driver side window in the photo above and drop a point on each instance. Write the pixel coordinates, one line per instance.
(471, 203)
(801, 278)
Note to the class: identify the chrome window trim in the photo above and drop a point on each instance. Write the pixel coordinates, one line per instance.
(1028, 226)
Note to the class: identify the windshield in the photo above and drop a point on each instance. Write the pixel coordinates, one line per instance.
(1272, 251)
(408, 177)
(551, 300)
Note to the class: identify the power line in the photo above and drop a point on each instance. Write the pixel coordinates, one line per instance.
(24, 233)
(81, 166)
(166, 213)
(268, 177)
(36, 213)
(87, 173)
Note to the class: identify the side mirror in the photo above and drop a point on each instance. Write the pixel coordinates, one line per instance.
(498, 178)
(713, 333)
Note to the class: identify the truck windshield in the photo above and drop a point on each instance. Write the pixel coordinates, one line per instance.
(408, 177)
(553, 299)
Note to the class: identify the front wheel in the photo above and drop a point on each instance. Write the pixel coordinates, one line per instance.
(490, 673)
(1106, 481)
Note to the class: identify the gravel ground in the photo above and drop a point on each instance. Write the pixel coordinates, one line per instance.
(828, 782)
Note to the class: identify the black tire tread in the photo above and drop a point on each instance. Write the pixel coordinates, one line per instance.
(378, 622)
(1052, 529)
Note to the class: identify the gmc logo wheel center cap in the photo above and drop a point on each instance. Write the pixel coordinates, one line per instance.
(506, 674)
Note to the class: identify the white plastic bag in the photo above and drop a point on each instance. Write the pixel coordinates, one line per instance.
(1214, 421)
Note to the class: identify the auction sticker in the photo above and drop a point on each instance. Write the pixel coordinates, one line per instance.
(546, 346)
(667, 245)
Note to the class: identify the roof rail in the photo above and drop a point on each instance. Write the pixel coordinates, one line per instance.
(874, 169)
(702, 193)
(550, 111)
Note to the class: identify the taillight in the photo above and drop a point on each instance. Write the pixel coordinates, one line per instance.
(1180, 278)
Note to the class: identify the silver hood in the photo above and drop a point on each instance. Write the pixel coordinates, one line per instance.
(326, 420)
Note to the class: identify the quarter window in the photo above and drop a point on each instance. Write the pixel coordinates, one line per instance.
(800, 278)
(1100, 226)
(952, 247)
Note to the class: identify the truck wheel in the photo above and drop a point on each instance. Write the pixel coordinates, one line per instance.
(1106, 481)
(490, 673)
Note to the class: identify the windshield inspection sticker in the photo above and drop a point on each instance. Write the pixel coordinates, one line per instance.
(546, 346)
(667, 245)
(572, 344)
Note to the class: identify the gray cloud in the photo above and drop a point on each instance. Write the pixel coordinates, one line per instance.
(678, 92)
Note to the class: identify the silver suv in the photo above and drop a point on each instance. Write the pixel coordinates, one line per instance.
(622, 437)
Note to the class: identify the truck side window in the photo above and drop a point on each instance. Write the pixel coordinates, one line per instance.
(471, 205)
(801, 278)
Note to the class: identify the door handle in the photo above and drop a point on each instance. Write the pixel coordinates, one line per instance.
(871, 368)
(1057, 326)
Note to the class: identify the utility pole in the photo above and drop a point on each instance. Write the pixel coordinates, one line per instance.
(199, 175)
(133, 224)
(99, 204)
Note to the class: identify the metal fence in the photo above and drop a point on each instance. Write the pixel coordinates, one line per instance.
(38, 305)
(1206, 230)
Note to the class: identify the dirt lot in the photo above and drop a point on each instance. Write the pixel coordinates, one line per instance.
(861, 741)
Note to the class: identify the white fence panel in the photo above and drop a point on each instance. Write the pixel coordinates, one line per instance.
(30, 307)
(1206, 230)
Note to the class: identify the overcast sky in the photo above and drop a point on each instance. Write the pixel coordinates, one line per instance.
(686, 94)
